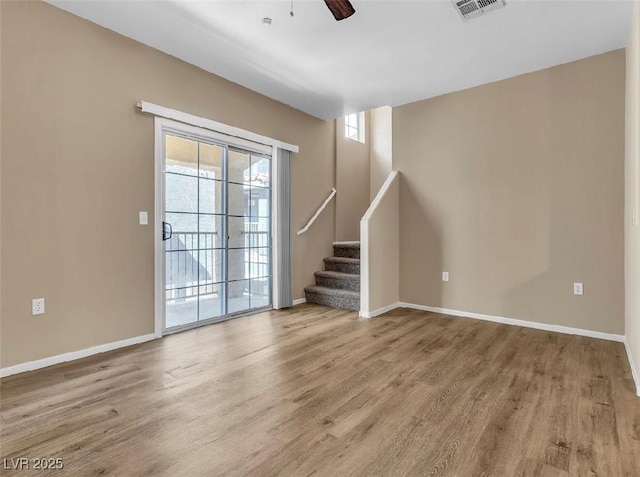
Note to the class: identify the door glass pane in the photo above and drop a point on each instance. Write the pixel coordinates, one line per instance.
(181, 306)
(245, 232)
(260, 232)
(258, 263)
(260, 292)
(181, 249)
(260, 174)
(211, 301)
(181, 155)
(260, 202)
(181, 269)
(237, 264)
(237, 200)
(238, 167)
(185, 222)
(185, 228)
(211, 157)
(210, 267)
(249, 231)
(238, 296)
(210, 196)
(211, 232)
(238, 231)
(181, 193)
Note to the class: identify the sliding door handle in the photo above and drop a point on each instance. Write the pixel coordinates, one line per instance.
(167, 231)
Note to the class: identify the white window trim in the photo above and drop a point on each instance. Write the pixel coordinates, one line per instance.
(215, 126)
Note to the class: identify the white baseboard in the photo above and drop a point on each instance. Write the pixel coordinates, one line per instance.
(516, 322)
(63, 358)
(299, 301)
(379, 311)
(501, 319)
(634, 370)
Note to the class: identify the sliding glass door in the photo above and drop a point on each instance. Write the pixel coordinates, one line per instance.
(216, 230)
(249, 231)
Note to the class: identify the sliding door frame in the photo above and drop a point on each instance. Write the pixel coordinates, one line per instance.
(163, 126)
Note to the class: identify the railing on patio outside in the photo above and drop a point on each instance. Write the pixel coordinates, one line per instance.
(193, 261)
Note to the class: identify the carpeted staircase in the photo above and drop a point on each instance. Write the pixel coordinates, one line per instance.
(339, 284)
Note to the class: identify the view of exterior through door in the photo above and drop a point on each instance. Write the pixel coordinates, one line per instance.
(216, 230)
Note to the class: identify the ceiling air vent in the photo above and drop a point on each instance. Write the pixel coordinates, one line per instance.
(474, 8)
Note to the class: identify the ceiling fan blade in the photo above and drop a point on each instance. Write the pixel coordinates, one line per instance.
(341, 9)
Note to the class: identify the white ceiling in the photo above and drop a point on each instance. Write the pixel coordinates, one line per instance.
(388, 53)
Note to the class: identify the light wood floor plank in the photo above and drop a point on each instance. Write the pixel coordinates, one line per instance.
(318, 391)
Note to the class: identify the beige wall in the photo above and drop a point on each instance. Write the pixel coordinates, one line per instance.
(632, 196)
(352, 182)
(380, 250)
(516, 189)
(78, 165)
(380, 149)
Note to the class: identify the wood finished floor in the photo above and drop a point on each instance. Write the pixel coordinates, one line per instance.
(317, 391)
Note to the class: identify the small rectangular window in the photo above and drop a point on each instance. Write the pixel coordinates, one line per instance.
(354, 126)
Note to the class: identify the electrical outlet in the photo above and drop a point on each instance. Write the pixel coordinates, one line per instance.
(445, 276)
(37, 306)
(578, 288)
(144, 218)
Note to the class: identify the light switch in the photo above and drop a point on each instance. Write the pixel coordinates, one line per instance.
(144, 218)
(445, 276)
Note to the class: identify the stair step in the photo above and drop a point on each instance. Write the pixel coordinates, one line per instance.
(337, 298)
(346, 249)
(343, 281)
(342, 264)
